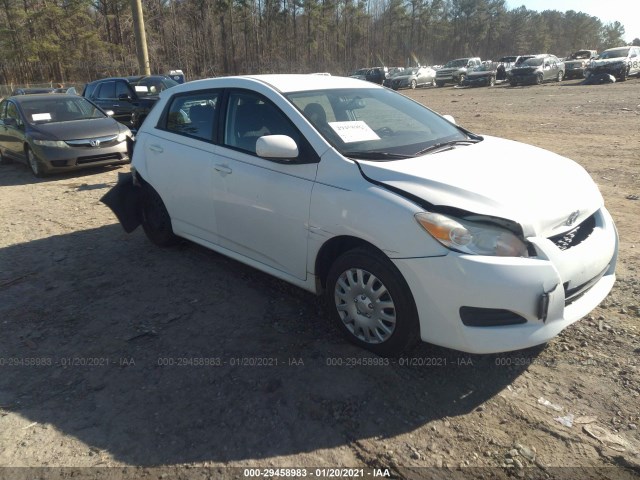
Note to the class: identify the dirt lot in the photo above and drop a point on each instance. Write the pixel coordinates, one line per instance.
(109, 346)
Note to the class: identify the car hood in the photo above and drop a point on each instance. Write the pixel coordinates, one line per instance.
(78, 129)
(527, 69)
(536, 188)
(607, 61)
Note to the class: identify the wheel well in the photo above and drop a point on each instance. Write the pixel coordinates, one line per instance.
(332, 249)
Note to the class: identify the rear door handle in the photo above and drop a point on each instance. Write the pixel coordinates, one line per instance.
(156, 148)
(223, 169)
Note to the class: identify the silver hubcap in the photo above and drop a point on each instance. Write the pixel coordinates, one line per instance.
(365, 306)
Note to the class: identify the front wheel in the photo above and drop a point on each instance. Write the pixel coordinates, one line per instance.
(492, 81)
(623, 75)
(34, 163)
(156, 221)
(440, 84)
(560, 76)
(461, 79)
(414, 84)
(539, 79)
(372, 303)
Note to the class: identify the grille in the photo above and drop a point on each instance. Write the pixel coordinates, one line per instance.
(576, 236)
(99, 158)
(573, 294)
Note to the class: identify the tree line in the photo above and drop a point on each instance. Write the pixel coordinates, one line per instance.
(80, 40)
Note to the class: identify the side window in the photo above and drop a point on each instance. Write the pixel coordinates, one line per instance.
(193, 115)
(122, 89)
(250, 116)
(12, 112)
(106, 91)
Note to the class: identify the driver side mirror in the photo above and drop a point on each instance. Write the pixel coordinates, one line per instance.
(450, 118)
(281, 147)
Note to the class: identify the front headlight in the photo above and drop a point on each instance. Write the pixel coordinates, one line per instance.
(121, 137)
(51, 143)
(472, 237)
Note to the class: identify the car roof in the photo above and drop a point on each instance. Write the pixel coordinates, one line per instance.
(285, 83)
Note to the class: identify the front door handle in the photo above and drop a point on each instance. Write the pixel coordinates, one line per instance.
(156, 148)
(223, 169)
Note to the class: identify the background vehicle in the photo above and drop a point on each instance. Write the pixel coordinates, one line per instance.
(455, 71)
(481, 76)
(58, 133)
(376, 75)
(505, 64)
(537, 69)
(130, 98)
(413, 78)
(31, 91)
(620, 62)
(577, 62)
(265, 188)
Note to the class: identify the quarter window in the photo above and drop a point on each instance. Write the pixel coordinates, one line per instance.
(193, 115)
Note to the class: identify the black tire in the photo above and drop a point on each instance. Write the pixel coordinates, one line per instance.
(34, 163)
(492, 81)
(461, 79)
(156, 221)
(560, 76)
(413, 85)
(513, 84)
(539, 79)
(4, 160)
(623, 75)
(394, 327)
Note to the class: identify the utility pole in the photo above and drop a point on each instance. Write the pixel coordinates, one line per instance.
(141, 37)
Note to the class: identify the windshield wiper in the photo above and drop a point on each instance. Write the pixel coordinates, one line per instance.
(375, 155)
(446, 145)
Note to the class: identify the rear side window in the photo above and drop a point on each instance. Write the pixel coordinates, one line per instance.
(193, 115)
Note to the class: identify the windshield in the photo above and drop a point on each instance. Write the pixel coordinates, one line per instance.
(362, 71)
(55, 109)
(533, 62)
(487, 67)
(618, 52)
(150, 86)
(507, 59)
(581, 55)
(375, 124)
(456, 63)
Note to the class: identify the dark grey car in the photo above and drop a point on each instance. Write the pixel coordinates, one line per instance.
(57, 133)
(536, 70)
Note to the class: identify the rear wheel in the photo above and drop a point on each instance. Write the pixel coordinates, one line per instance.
(156, 221)
(371, 302)
(4, 159)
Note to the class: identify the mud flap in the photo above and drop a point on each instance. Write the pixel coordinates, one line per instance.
(124, 201)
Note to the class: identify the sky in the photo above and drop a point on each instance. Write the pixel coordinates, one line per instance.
(626, 12)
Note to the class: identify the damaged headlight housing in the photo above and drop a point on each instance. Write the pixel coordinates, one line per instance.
(472, 237)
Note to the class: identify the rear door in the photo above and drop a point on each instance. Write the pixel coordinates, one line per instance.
(179, 157)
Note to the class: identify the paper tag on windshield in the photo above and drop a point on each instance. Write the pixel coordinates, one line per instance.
(141, 88)
(357, 131)
(39, 117)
